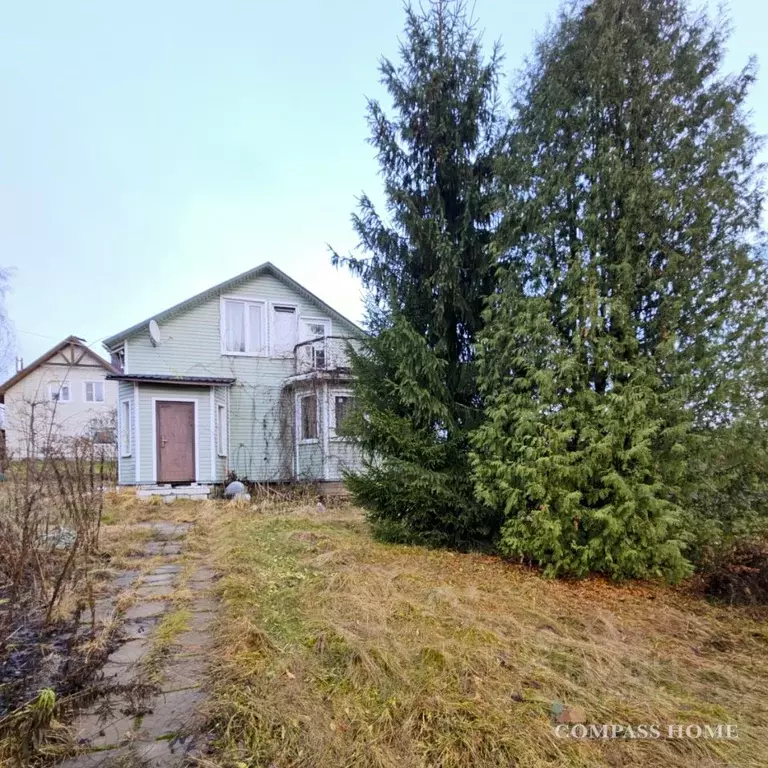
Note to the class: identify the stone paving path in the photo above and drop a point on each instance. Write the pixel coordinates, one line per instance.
(150, 715)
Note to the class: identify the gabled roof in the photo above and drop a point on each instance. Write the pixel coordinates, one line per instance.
(74, 342)
(263, 269)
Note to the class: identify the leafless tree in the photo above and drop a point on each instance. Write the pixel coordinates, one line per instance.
(7, 335)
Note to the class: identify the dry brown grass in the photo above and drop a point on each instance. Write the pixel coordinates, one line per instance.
(336, 650)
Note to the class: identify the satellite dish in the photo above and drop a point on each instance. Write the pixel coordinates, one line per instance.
(154, 332)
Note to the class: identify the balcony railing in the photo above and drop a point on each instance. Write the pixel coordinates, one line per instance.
(328, 353)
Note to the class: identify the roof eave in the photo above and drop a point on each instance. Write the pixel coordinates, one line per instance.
(188, 381)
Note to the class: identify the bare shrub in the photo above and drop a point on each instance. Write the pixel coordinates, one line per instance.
(50, 517)
(741, 574)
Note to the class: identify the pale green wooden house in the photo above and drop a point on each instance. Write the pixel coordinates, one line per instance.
(251, 377)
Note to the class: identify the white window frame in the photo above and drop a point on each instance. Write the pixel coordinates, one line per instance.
(324, 321)
(93, 383)
(328, 327)
(55, 387)
(222, 429)
(296, 325)
(125, 428)
(247, 300)
(332, 411)
(300, 422)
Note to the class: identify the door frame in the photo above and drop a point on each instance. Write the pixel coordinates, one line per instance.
(155, 457)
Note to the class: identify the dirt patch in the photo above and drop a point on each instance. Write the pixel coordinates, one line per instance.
(62, 657)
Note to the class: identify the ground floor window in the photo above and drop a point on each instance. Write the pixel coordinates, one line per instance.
(125, 428)
(221, 429)
(308, 417)
(342, 403)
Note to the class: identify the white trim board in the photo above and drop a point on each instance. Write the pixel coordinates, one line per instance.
(325, 435)
(156, 400)
(229, 434)
(296, 434)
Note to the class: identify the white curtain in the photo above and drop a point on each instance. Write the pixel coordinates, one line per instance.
(234, 326)
(255, 330)
(284, 329)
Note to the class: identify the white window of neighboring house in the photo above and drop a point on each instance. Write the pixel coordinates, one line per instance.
(125, 428)
(308, 417)
(221, 429)
(284, 330)
(94, 391)
(60, 393)
(243, 327)
(341, 404)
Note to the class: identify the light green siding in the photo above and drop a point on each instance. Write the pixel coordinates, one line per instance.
(201, 396)
(191, 341)
(310, 457)
(343, 454)
(261, 424)
(326, 458)
(310, 462)
(261, 408)
(126, 465)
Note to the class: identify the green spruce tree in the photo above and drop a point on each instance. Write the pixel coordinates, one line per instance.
(427, 268)
(631, 304)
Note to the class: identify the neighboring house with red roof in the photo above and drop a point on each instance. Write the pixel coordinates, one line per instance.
(61, 395)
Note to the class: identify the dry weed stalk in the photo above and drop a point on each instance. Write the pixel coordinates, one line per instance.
(50, 518)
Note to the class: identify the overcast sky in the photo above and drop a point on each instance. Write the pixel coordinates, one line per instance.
(149, 150)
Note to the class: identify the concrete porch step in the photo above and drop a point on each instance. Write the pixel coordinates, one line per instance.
(165, 491)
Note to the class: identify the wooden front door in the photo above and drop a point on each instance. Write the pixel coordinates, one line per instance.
(175, 442)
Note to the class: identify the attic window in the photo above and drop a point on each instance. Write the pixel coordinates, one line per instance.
(243, 327)
(60, 393)
(284, 330)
